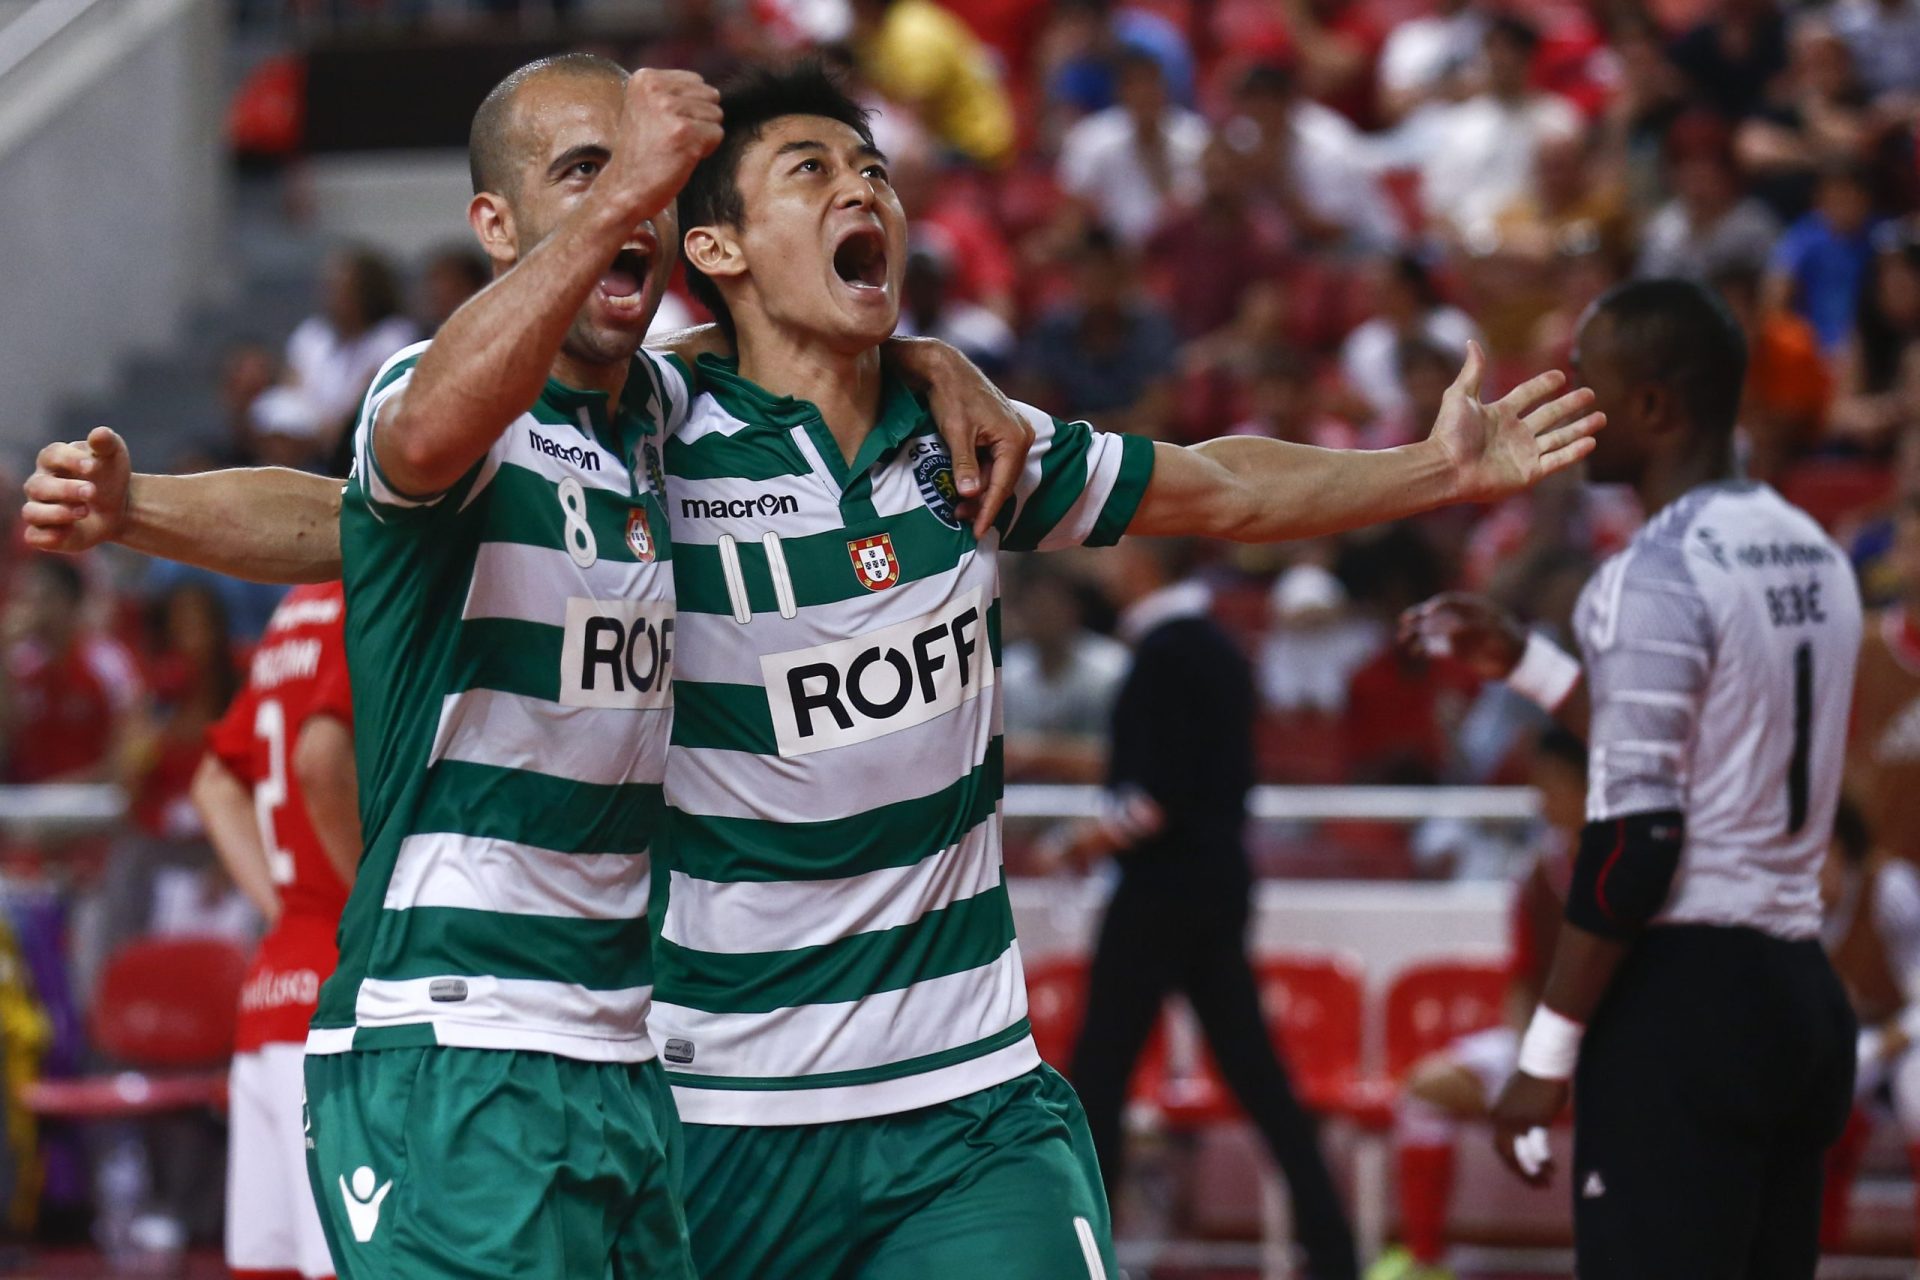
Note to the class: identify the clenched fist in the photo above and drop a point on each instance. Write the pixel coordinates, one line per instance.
(77, 495)
(670, 122)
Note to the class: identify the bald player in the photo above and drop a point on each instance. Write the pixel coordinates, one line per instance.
(482, 1091)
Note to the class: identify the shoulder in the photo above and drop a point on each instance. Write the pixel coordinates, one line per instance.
(396, 367)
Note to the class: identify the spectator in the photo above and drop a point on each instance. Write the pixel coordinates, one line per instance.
(929, 309)
(1478, 155)
(1733, 58)
(1083, 48)
(954, 218)
(1137, 164)
(1311, 162)
(1822, 115)
(195, 676)
(1408, 305)
(451, 276)
(1648, 96)
(332, 356)
(1710, 225)
(1884, 36)
(1784, 408)
(1432, 59)
(923, 57)
(1203, 262)
(1315, 644)
(1060, 679)
(1820, 264)
(1283, 406)
(247, 370)
(72, 694)
(1106, 354)
(1879, 363)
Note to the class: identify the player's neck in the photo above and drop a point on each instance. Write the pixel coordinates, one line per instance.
(591, 375)
(843, 386)
(1664, 482)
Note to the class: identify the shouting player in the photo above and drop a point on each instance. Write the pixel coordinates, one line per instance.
(843, 1007)
(482, 1089)
(278, 794)
(1713, 1045)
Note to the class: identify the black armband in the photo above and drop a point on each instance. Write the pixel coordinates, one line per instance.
(1623, 872)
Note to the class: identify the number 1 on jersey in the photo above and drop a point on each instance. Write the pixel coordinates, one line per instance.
(1798, 766)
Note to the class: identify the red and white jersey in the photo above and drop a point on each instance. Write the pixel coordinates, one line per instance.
(298, 672)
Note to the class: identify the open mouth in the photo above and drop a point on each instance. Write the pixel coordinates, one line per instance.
(860, 260)
(625, 282)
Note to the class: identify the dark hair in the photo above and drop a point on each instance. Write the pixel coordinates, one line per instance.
(376, 289)
(1267, 79)
(1132, 57)
(750, 102)
(1680, 334)
(1882, 342)
(62, 574)
(489, 153)
(1409, 269)
(1514, 31)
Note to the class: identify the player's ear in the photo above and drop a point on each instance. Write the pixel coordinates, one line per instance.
(493, 225)
(714, 252)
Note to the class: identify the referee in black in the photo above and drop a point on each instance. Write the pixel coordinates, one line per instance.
(1179, 772)
(1708, 1044)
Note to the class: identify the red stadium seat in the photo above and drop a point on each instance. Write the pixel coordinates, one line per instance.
(165, 1012)
(1430, 1005)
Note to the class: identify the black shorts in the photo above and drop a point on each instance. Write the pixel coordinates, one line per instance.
(1711, 1082)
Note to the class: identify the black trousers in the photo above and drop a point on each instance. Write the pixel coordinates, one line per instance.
(1714, 1077)
(1151, 945)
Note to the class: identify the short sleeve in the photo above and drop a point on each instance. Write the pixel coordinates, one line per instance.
(1080, 487)
(332, 689)
(231, 737)
(369, 486)
(1647, 637)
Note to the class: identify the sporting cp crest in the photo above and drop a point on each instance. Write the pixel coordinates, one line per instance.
(933, 472)
(640, 535)
(874, 562)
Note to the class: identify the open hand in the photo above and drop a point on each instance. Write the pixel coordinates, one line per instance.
(1502, 448)
(77, 495)
(975, 420)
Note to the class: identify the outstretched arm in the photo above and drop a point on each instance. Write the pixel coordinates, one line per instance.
(269, 524)
(1254, 490)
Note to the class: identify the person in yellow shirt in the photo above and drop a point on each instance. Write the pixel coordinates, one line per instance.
(926, 58)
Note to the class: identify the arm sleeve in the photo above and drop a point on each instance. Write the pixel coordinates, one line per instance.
(230, 739)
(368, 486)
(1647, 636)
(1080, 487)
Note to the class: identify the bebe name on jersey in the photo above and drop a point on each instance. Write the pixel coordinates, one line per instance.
(585, 459)
(617, 653)
(879, 683)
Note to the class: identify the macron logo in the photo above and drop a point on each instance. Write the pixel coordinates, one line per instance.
(363, 1202)
(583, 458)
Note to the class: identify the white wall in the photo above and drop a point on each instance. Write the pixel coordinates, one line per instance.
(110, 200)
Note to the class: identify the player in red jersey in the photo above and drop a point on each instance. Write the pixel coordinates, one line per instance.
(278, 793)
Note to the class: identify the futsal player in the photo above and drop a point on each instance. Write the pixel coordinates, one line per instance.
(1690, 1007)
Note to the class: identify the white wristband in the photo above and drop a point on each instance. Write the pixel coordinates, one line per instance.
(1551, 1046)
(1545, 674)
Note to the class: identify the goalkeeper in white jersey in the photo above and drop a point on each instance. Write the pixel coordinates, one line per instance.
(1690, 1007)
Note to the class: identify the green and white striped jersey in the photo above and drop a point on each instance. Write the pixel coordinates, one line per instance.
(511, 644)
(837, 940)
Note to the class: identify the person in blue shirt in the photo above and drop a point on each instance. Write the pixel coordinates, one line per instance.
(1821, 263)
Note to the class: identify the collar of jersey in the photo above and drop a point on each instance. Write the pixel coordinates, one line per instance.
(634, 399)
(902, 416)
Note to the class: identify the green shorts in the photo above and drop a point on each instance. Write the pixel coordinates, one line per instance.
(435, 1163)
(1000, 1184)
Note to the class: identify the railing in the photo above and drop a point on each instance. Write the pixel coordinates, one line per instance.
(64, 809)
(1311, 804)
